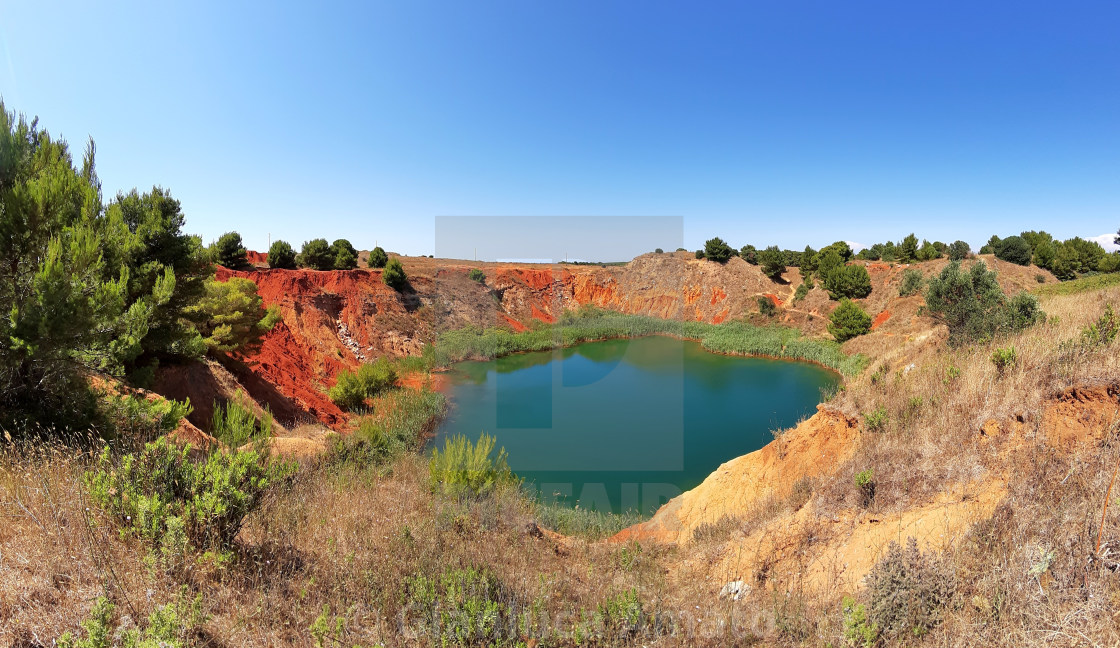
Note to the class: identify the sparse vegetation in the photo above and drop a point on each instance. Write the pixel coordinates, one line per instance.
(909, 591)
(911, 282)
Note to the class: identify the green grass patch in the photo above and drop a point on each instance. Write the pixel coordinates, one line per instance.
(397, 422)
(585, 523)
(1084, 284)
(589, 324)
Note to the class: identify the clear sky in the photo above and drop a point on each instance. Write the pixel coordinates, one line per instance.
(761, 122)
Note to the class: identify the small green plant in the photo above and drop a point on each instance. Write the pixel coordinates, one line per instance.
(802, 290)
(352, 388)
(1004, 358)
(235, 424)
(865, 481)
(161, 495)
(477, 275)
(876, 420)
(858, 632)
(467, 607)
(168, 626)
(766, 307)
(659, 251)
(467, 469)
(328, 629)
(1040, 278)
(879, 375)
(952, 372)
(622, 615)
(911, 282)
(141, 419)
(1103, 331)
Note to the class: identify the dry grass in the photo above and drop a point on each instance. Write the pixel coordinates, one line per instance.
(348, 538)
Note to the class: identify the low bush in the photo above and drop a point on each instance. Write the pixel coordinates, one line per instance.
(352, 388)
(909, 591)
(399, 421)
(858, 631)
(171, 626)
(851, 281)
(802, 290)
(162, 496)
(766, 307)
(1004, 358)
(465, 469)
(140, 419)
(235, 424)
(911, 282)
(467, 607)
(876, 420)
(477, 275)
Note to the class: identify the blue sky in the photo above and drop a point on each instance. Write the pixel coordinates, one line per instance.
(766, 123)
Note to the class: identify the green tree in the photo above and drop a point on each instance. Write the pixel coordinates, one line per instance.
(477, 275)
(344, 255)
(716, 250)
(749, 254)
(990, 246)
(393, 275)
(928, 251)
(828, 260)
(1014, 249)
(59, 314)
(772, 262)
(848, 320)
(231, 316)
(842, 249)
(973, 306)
(230, 252)
(958, 250)
(1044, 254)
(281, 255)
(851, 281)
(808, 262)
(908, 249)
(316, 254)
(377, 258)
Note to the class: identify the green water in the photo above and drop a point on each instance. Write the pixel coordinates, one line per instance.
(627, 424)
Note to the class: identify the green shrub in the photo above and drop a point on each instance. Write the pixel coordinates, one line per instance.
(477, 275)
(393, 275)
(468, 607)
(343, 255)
(716, 250)
(749, 254)
(1040, 278)
(160, 493)
(659, 251)
(851, 281)
(766, 306)
(352, 388)
(974, 308)
(1004, 358)
(623, 616)
(235, 424)
(168, 626)
(465, 469)
(802, 290)
(316, 255)
(138, 418)
(909, 591)
(281, 255)
(377, 258)
(858, 632)
(865, 481)
(1014, 249)
(230, 252)
(848, 320)
(700, 254)
(911, 282)
(876, 420)
(1103, 331)
(400, 420)
(230, 315)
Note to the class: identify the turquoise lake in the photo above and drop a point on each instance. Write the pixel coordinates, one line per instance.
(627, 424)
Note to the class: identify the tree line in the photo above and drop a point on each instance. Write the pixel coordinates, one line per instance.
(229, 251)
